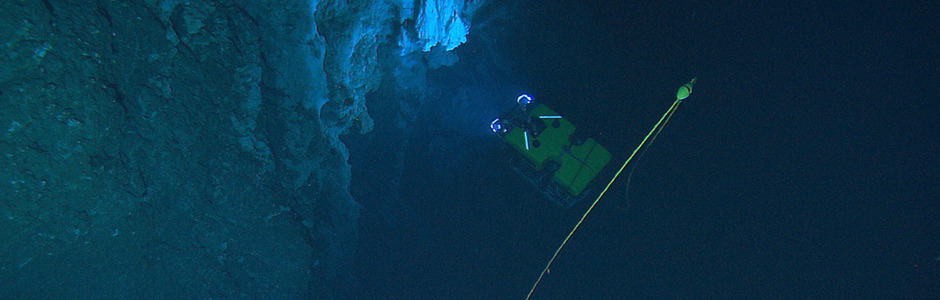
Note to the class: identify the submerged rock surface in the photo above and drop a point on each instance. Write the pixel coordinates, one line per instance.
(181, 149)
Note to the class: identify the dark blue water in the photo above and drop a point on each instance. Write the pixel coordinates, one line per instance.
(803, 165)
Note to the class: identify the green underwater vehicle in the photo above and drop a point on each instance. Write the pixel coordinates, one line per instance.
(547, 151)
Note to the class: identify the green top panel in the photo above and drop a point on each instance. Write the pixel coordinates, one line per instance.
(580, 165)
(549, 144)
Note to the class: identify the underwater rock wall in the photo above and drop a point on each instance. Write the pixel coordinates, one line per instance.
(190, 149)
(139, 152)
(356, 31)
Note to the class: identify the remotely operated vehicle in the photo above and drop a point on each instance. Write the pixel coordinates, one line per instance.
(549, 153)
(684, 91)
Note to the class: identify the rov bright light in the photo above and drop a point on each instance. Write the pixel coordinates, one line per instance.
(496, 125)
(524, 100)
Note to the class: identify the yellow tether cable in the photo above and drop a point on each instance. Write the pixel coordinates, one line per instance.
(683, 93)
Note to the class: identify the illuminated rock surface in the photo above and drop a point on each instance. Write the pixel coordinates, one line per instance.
(190, 149)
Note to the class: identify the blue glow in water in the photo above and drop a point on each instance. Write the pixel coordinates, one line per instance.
(524, 100)
(496, 125)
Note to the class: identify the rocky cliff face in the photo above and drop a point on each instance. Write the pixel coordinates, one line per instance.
(181, 149)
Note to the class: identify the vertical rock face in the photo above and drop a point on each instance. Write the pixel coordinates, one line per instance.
(445, 23)
(354, 31)
(135, 152)
(181, 149)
